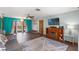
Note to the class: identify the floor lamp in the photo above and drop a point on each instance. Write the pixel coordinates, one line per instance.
(71, 28)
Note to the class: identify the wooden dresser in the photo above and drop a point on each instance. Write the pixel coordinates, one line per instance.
(55, 33)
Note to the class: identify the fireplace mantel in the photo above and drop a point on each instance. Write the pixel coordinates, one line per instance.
(55, 33)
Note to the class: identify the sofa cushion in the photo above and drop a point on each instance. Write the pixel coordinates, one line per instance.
(3, 39)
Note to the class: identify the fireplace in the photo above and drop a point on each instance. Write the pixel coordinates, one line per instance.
(55, 33)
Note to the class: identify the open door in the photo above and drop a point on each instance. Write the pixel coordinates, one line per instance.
(41, 27)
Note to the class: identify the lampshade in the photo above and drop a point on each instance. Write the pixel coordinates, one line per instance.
(70, 26)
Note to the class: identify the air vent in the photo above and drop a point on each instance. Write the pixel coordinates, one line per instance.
(77, 7)
(37, 9)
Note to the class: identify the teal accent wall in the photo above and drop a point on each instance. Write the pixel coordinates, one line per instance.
(8, 24)
(0, 24)
(29, 24)
(16, 19)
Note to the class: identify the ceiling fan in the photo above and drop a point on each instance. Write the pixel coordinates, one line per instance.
(31, 16)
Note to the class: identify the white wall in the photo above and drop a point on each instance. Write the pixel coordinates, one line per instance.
(78, 42)
(35, 26)
(66, 18)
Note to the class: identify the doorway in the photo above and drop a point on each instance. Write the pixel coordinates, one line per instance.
(41, 27)
(19, 26)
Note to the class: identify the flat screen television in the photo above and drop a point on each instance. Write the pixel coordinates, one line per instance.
(53, 21)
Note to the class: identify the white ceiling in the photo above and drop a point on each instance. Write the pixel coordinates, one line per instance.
(44, 11)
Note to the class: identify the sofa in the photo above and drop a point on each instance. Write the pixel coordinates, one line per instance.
(3, 41)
